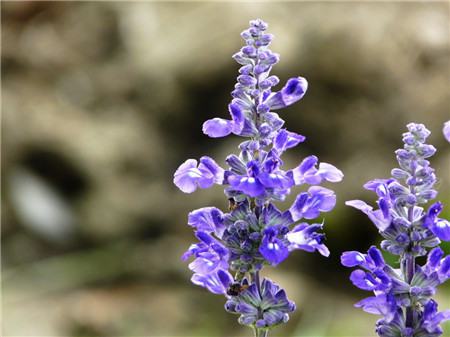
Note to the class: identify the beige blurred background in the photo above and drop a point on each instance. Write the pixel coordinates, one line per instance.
(103, 100)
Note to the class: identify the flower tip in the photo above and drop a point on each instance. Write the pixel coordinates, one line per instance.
(259, 24)
(302, 83)
(324, 252)
(350, 203)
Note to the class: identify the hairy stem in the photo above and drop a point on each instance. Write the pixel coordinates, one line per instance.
(409, 266)
(408, 262)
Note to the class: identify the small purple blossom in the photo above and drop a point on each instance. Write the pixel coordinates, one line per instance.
(234, 246)
(216, 282)
(272, 247)
(293, 91)
(306, 237)
(307, 172)
(189, 176)
(446, 131)
(308, 205)
(403, 296)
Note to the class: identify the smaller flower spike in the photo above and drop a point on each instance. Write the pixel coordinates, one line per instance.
(234, 246)
(403, 296)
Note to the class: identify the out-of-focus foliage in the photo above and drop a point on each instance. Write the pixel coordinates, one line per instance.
(103, 100)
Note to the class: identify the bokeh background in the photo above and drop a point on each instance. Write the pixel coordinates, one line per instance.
(103, 100)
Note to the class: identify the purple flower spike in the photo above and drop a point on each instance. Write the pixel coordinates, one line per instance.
(404, 296)
(253, 233)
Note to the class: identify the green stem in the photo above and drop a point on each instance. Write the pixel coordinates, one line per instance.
(263, 333)
(409, 266)
(260, 332)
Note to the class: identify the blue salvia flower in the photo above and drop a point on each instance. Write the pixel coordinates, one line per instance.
(403, 296)
(234, 246)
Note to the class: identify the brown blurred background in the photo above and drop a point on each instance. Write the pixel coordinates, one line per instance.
(103, 100)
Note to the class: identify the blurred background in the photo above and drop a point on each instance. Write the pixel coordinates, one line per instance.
(103, 100)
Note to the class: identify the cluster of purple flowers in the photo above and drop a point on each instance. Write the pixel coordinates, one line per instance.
(403, 296)
(234, 246)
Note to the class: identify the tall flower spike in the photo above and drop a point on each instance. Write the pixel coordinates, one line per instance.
(403, 296)
(233, 247)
